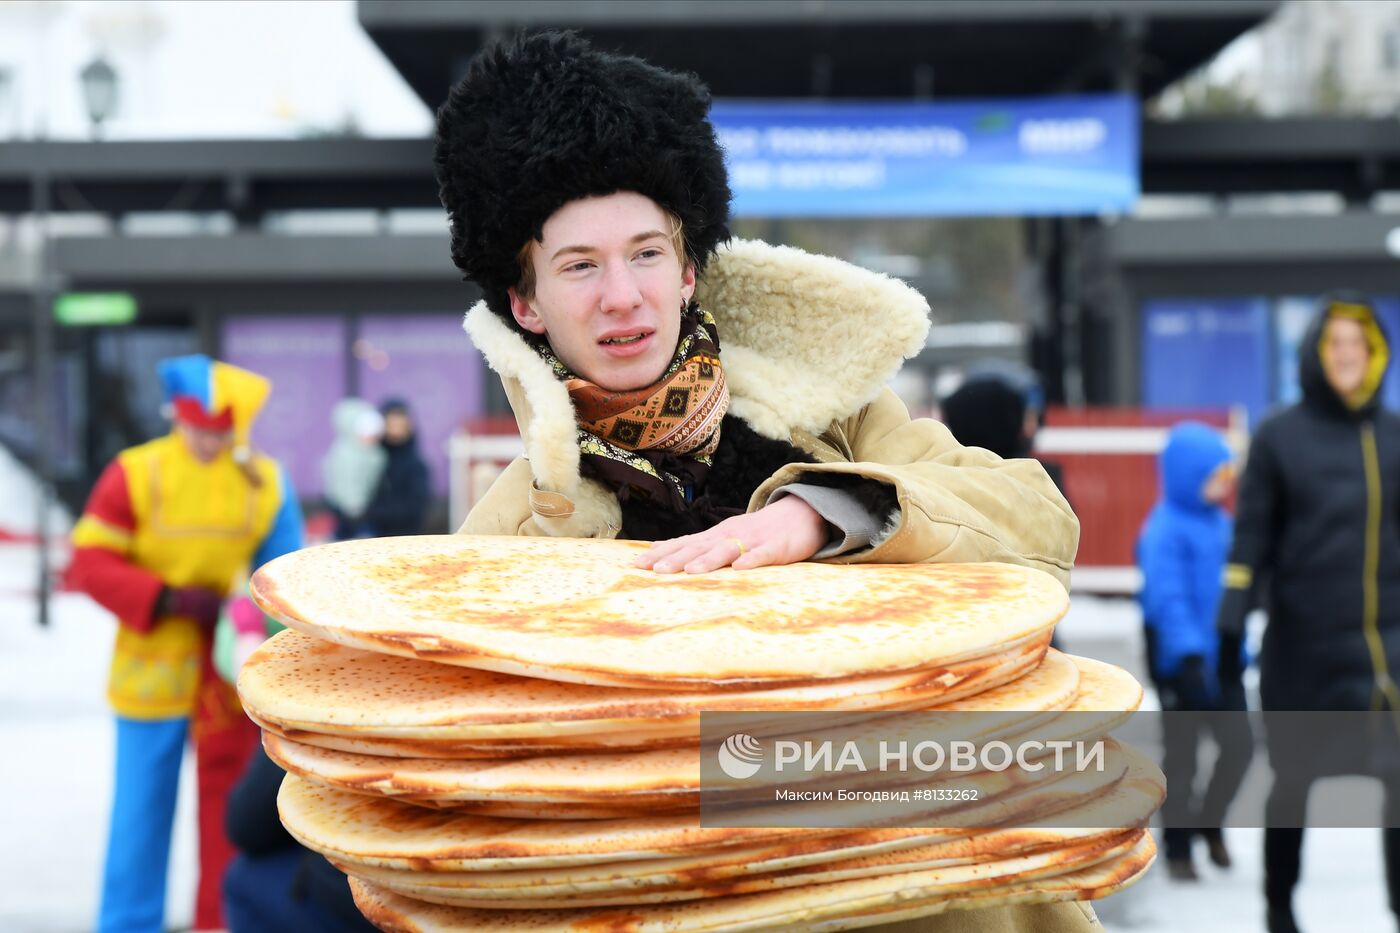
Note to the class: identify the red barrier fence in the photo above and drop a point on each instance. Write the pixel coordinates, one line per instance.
(1109, 460)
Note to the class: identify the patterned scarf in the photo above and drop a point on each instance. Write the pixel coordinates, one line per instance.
(656, 441)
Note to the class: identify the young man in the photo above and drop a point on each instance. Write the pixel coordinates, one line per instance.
(1317, 536)
(1181, 552)
(167, 529)
(589, 201)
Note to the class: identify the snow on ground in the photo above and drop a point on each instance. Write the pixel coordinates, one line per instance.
(55, 782)
(56, 772)
(19, 501)
(1343, 886)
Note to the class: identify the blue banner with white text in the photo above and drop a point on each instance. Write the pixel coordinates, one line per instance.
(1031, 156)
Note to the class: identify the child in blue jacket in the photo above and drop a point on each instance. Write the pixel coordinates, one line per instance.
(1182, 552)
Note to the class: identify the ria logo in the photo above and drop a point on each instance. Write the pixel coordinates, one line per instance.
(740, 756)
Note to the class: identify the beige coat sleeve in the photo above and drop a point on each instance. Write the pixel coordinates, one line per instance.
(956, 504)
(514, 506)
(505, 508)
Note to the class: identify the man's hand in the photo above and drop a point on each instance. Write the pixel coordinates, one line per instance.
(784, 532)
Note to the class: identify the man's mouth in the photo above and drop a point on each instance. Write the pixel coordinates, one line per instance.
(620, 341)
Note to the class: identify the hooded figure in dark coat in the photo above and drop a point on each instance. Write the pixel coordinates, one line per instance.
(1317, 540)
(998, 409)
(400, 502)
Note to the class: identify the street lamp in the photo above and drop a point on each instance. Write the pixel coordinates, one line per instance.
(99, 91)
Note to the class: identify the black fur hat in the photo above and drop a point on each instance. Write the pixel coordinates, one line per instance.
(546, 119)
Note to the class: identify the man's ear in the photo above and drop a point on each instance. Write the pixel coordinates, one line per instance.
(525, 315)
(687, 282)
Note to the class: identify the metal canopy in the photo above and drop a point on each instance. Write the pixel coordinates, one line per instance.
(246, 177)
(1251, 255)
(163, 260)
(1356, 157)
(1353, 157)
(842, 48)
(1140, 247)
(1244, 240)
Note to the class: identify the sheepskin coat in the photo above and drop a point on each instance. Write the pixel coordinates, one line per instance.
(808, 344)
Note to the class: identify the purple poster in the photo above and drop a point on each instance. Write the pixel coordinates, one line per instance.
(426, 360)
(305, 359)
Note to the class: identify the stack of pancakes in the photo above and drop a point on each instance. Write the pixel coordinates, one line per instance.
(504, 733)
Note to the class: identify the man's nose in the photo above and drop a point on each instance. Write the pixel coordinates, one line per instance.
(620, 291)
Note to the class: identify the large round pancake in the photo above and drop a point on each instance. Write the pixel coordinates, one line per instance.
(1105, 687)
(841, 905)
(1086, 884)
(577, 610)
(669, 778)
(665, 736)
(1129, 805)
(376, 831)
(305, 684)
(951, 878)
(1105, 696)
(516, 810)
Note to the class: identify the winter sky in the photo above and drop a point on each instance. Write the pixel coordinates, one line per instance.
(214, 68)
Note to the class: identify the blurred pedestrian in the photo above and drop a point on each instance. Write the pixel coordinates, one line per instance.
(1181, 552)
(400, 503)
(168, 527)
(999, 407)
(274, 885)
(241, 629)
(1317, 534)
(353, 467)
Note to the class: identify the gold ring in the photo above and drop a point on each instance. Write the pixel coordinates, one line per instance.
(739, 544)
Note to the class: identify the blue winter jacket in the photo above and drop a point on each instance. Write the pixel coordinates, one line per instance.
(1182, 550)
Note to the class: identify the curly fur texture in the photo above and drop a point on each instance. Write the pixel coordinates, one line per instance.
(807, 339)
(547, 119)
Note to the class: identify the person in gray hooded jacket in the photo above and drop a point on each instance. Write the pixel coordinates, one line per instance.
(351, 469)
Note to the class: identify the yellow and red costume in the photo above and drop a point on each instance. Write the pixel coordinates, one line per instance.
(159, 518)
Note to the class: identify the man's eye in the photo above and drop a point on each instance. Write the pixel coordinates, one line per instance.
(574, 267)
(650, 252)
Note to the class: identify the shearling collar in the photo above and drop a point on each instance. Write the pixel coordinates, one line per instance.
(806, 340)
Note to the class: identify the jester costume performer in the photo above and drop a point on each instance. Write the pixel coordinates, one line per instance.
(169, 529)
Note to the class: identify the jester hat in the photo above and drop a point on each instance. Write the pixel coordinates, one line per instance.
(214, 395)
